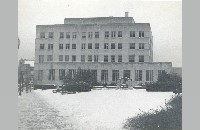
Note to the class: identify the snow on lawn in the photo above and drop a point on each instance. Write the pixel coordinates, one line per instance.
(104, 109)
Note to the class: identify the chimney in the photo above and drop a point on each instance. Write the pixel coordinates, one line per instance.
(126, 14)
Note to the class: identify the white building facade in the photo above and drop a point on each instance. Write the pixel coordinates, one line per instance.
(111, 47)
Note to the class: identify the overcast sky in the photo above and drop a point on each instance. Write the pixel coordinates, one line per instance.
(165, 18)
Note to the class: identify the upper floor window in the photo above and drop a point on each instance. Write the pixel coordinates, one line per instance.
(73, 46)
(82, 58)
(67, 46)
(89, 58)
(50, 58)
(50, 46)
(96, 45)
(66, 57)
(89, 45)
(141, 33)
(112, 58)
(67, 34)
(131, 58)
(73, 58)
(96, 34)
(132, 45)
(74, 35)
(89, 34)
(105, 58)
(41, 58)
(106, 45)
(113, 34)
(112, 45)
(106, 34)
(141, 58)
(83, 46)
(119, 45)
(83, 34)
(42, 35)
(50, 34)
(61, 34)
(42, 46)
(119, 58)
(119, 33)
(141, 45)
(96, 58)
(60, 57)
(132, 33)
(60, 46)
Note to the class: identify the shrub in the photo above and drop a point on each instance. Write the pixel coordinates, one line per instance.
(168, 118)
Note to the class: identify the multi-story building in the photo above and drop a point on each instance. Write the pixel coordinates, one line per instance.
(112, 47)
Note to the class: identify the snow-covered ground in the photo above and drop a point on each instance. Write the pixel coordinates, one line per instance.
(104, 109)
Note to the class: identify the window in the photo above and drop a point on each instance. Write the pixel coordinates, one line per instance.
(89, 45)
(112, 58)
(96, 58)
(51, 74)
(50, 46)
(96, 45)
(82, 58)
(112, 45)
(141, 33)
(73, 46)
(40, 75)
(104, 76)
(42, 46)
(96, 34)
(115, 75)
(149, 75)
(132, 33)
(127, 73)
(119, 58)
(50, 58)
(83, 34)
(41, 58)
(119, 45)
(119, 33)
(67, 34)
(132, 45)
(60, 46)
(105, 58)
(83, 46)
(89, 58)
(160, 72)
(73, 58)
(67, 46)
(42, 35)
(141, 45)
(105, 45)
(66, 57)
(138, 75)
(131, 58)
(72, 72)
(74, 35)
(106, 34)
(61, 74)
(113, 34)
(141, 58)
(50, 34)
(61, 34)
(60, 57)
(94, 74)
(89, 34)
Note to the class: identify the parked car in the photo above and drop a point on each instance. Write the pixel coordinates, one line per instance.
(139, 86)
(58, 89)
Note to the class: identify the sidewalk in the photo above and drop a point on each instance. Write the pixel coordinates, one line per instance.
(35, 114)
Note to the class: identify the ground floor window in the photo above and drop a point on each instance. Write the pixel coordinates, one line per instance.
(52, 74)
(149, 75)
(94, 74)
(115, 75)
(40, 75)
(61, 74)
(127, 73)
(138, 75)
(104, 75)
(72, 72)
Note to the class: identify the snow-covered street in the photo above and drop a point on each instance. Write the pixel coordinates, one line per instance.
(103, 109)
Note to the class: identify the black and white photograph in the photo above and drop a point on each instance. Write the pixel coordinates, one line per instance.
(99, 65)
